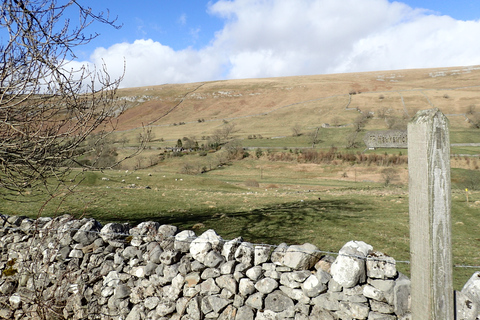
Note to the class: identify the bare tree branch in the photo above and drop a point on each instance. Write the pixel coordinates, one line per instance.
(47, 108)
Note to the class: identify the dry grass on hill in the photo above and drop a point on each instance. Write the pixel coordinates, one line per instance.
(272, 106)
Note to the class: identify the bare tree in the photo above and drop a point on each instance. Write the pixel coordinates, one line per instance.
(297, 130)
(227, 130)
(471, 109)
(313, 137)
(389, 175)
(360, 122)
(47, 108)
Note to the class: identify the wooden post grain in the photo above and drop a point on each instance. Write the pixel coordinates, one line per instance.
(430, 216)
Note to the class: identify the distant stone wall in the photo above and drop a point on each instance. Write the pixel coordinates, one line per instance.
(78, 269)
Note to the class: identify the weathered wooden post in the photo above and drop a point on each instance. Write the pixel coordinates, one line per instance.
(430, 216)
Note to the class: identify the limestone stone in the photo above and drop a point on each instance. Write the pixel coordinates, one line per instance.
(166, 231)
(323, 276)
(88, 232)
(278, 254)
(472, 287)
(244, 253)
(238, 301)
(227, 281)
(300, 276)
(272, 274)
(131, 252)
(7, 288)
(255, 301)
(246, 287)
(301, 256)
(267, 315)
(185, 265)
(380, 266)
(466, 308)
(209, 240)
(325, 263)
(193, 309)
(312, 287)
(261, 254)
(266, 285)
(373, 293)
(205, 305)
(192, 279)
(199, 249)
(355, 310)
(268, 266)
(197, 266)
(326, 301)
(381, 307)
(277, 301)
(217, 303)
(209, 287)
(183, 240)
(121, 291)
(76, 253)
(152, 302)
(15, 301)
(295, 294)
(210, 273)
(254, 273)
(146, 229)
(319, 313)
(227, 294)
(302, 309)
(242, 267)
(227, 267)
(401, 295)
(372, 315)
(114, 234)
(229, 313)
(165, 307)
(230, 247)
(382, 285)
(245, 313)
(213, 259)
(137, 313)
(349, 267)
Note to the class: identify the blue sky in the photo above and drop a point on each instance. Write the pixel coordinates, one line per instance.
(174, 41)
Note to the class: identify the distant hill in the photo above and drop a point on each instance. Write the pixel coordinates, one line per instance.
(272, 106)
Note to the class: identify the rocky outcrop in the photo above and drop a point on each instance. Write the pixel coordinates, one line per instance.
(78, 269)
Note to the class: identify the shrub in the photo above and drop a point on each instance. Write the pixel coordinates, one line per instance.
(252, 183)
(389, 175)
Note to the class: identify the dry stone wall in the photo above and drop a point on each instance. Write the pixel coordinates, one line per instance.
(56, 268)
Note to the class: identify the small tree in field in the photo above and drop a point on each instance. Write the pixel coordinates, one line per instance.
(389, 175)
(297, 130)
(47, 108)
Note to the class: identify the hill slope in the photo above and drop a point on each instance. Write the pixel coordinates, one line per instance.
(271, 107)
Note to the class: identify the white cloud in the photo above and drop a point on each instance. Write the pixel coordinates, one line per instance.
(149, 63)
(267, 38)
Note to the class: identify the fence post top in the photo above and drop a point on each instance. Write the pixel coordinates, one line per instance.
(425, 115)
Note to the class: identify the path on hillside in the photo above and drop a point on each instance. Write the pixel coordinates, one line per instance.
(150, 124)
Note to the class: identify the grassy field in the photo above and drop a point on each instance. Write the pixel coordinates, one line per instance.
(293, 203)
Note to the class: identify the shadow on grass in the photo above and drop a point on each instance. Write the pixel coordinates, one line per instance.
(288, 222)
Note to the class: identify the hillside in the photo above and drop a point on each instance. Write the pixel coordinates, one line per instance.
(271, 107)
